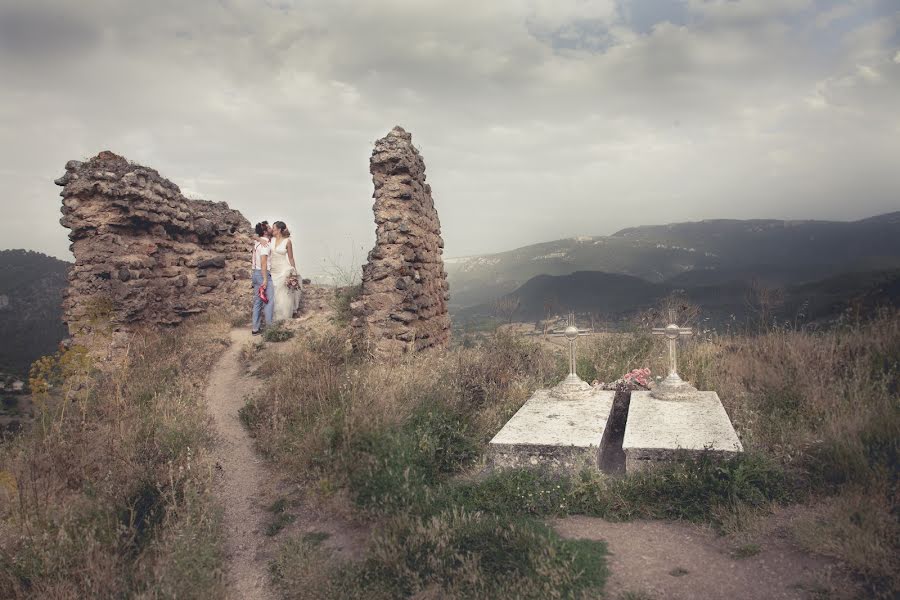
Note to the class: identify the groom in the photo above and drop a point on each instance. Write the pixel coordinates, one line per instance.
(260, 276)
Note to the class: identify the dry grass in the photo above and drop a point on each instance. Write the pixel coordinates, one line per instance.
(321, 397)
(818, 407)
(108, 494)
(825, 405)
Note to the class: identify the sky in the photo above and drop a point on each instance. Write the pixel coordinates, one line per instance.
(537, 119)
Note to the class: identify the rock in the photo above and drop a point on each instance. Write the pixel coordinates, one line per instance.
(204, 228)
(402, 306)
(138, 243)
(217, 262)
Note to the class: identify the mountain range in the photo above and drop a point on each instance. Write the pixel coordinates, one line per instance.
(818, 267)
(716, 258)
(613, 298)
(31, 291)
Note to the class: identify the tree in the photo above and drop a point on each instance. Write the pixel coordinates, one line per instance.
(506, 308)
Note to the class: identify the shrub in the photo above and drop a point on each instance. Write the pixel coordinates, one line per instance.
(343, 298)
(277, 333)
(454, 554)
(389, 470)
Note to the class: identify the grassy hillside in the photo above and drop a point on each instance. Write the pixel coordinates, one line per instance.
(31, 292)
(107, 495)
(399, 445)
(616, 299)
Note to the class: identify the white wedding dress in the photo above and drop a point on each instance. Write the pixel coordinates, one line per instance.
(286, 299)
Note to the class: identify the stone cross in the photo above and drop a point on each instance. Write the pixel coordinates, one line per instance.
(572, 382)
(672, 333)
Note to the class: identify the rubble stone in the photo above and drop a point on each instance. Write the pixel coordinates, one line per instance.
(143, 252)
(402, 306)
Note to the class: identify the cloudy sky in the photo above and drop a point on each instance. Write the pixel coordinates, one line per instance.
(538, 119)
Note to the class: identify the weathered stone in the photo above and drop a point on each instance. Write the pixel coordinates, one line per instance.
(217, 262)
(136, 240)
(404, 284)
(659, 430)
(550, 433)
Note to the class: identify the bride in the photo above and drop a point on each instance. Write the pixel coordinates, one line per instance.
(283, 268)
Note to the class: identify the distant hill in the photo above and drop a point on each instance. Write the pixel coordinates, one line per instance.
(710, 252)
(31, 289)
(614, 298)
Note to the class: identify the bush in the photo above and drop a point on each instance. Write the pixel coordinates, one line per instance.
(477, 555)
(454, 554)
(277, 333)
(343, 298)
(689, 489)
(389, 470)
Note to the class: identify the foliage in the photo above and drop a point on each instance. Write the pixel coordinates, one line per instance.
(110, 497)
(278, 333)
(816, 412)
(31, 290)
(343, 298)
(453, 554)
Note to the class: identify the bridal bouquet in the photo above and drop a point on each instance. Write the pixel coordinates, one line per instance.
(293, 280)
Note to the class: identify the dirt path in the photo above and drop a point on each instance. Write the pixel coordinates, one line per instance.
(675, 561)
(244, 482)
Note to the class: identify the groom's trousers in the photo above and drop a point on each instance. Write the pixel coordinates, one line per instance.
(261, 308)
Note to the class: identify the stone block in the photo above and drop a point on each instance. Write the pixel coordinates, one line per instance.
(658, 430)
(552, 433)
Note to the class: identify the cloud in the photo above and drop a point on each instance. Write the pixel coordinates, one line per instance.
(536, 119)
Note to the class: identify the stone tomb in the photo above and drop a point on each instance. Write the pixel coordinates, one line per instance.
(675, 418)
(561, 434)
(571, 426)
(561, 429)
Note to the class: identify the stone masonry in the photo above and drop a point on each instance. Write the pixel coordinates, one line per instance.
(402, 306)
(143, 252)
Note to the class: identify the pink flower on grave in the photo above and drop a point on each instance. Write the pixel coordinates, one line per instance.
(640, 377)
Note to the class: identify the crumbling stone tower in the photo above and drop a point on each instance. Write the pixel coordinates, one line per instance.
(143, 252)
(402, 306)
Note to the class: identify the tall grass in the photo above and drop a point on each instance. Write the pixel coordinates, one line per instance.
(826, 405)
(817, 412)
(108, 494)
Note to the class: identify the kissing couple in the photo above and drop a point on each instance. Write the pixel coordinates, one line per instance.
(276, 284)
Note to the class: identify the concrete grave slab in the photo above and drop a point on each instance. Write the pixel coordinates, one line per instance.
(558, 434)
(658, 429)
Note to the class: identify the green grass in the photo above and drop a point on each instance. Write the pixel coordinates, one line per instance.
(277, 333)
(343, 297)
(746, 551)
(816, 411)
(459, 554)
(279, 522)
(690, 489)
(280, 517)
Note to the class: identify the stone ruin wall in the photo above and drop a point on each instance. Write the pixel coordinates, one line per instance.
(402, 305)
(144, 253)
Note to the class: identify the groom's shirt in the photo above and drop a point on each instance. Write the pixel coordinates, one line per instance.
(260, 248)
